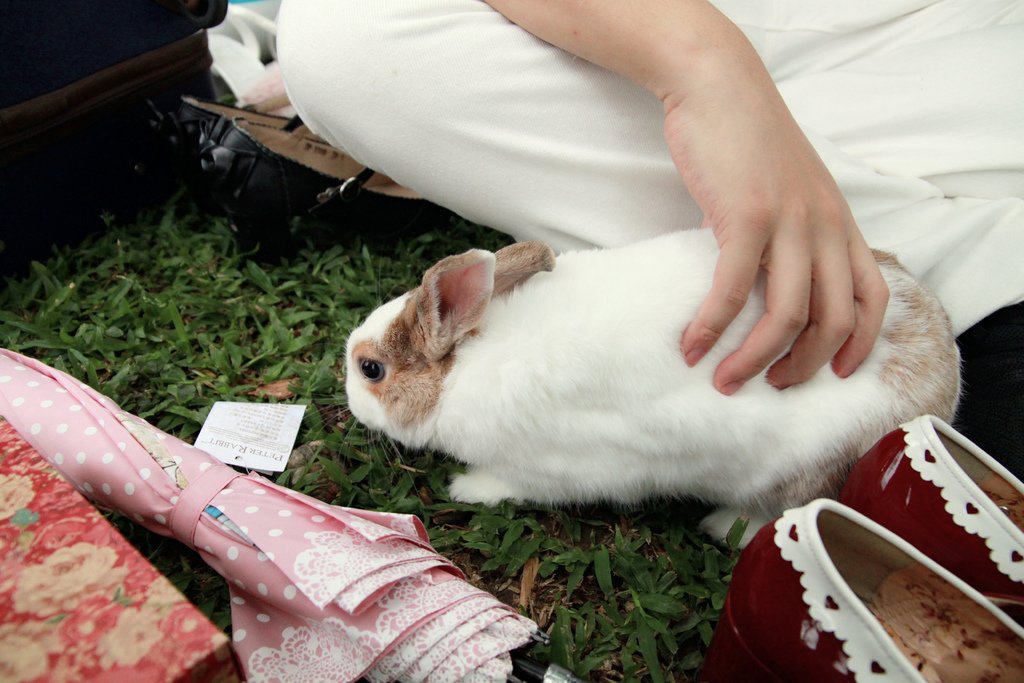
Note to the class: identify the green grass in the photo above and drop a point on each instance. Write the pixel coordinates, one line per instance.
(165, 316)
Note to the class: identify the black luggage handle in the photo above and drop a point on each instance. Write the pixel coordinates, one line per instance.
(202, 13)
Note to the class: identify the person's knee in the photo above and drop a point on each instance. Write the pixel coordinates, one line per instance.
(322, 49)
(367, 68)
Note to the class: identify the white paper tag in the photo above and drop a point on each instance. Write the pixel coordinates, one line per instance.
(257, 436)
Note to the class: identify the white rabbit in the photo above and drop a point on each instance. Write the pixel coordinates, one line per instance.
(569, 386)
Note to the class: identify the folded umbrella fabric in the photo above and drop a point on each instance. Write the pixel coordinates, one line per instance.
(318, 592)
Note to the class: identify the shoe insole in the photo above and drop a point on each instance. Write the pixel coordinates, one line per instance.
(942, 632)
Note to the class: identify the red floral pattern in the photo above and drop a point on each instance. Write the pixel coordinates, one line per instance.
(77, 602)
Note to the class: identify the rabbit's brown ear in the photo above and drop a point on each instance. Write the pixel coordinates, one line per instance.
(451, 300)
(518, 262)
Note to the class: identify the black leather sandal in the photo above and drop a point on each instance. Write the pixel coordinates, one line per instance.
(180, 133)
(262, 170)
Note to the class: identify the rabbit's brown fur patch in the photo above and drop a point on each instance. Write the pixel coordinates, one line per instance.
(412, 385)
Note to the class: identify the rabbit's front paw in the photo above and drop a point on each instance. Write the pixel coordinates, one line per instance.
(719, 522)
(479, 486)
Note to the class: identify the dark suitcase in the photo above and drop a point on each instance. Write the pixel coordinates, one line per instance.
(75, 138)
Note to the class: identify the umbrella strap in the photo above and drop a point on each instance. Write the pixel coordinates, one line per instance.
(193, 501)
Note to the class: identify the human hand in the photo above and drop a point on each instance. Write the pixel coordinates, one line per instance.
(762, 187)
(772, 205)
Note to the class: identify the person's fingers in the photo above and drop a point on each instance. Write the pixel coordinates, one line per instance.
(735, 272)
(871, 297)
(831, 322)
(787, 304)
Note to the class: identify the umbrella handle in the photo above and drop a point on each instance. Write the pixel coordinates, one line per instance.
(528, 670)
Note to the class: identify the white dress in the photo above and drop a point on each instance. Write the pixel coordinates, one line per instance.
(916, 107)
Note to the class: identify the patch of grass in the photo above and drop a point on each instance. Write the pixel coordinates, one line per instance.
(166, 317)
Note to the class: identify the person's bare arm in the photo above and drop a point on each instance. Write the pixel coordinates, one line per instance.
(763, 189)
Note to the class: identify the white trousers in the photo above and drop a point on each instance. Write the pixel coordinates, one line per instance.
(916, 107)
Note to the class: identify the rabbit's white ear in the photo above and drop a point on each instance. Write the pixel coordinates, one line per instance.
(452, 298)
(518, 262)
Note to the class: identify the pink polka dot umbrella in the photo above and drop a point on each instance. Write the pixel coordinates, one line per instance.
(318, 592)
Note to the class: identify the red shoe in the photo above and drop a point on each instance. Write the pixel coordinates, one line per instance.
(825, 594)
(931, 486)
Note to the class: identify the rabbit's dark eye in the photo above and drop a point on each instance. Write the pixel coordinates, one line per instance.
(372, 370)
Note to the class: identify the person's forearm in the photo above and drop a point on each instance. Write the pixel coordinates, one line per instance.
(764, 191)
(663, 45)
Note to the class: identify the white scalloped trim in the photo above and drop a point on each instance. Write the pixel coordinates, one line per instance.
(863, 639)
(1001, 535)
